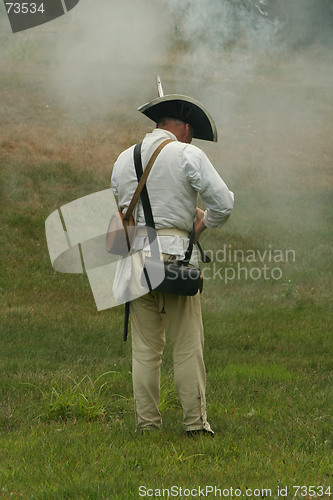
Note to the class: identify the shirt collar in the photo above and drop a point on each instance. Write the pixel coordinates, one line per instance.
(159, 132)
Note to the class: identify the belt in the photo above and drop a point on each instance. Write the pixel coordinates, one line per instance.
(172, 231)
(168, 231)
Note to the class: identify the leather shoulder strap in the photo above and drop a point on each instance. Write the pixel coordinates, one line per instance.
(144, 176)
(144, 193)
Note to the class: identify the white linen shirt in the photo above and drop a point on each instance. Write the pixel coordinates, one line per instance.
(180, 172)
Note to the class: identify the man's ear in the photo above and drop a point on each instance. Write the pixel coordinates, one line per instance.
(188, 132)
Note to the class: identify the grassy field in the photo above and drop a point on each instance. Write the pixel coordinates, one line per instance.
(66, 408)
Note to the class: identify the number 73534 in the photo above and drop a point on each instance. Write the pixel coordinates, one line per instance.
(24, 8)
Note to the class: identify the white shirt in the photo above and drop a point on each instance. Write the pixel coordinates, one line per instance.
(179, 174)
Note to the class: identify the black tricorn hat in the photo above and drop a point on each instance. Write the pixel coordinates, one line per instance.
(183, 108)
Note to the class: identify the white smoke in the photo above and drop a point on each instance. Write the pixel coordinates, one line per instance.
(222, 24)
(106, 52)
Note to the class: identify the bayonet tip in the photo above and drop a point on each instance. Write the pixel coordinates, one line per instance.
(159, 87)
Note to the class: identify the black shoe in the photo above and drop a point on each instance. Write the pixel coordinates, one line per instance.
(199, 432)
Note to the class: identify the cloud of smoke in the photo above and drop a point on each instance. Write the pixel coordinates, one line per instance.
(221, 24)
(227, 39)
(258, 65)
(303, 22)
(262, 68)
(104, 53)
(109, 53)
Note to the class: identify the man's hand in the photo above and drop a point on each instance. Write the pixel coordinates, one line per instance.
(199, 225)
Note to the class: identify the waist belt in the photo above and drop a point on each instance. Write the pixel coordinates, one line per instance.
(172, 231)
(168, 231)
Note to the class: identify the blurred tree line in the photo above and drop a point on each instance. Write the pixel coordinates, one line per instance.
(221, 24)
(303, 22)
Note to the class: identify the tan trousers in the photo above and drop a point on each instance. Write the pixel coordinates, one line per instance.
(182, 323)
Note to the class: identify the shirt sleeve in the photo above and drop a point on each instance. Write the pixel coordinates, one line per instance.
(114, 183)
(203, 177)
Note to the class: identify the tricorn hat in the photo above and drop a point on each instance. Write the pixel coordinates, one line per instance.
(183, 108)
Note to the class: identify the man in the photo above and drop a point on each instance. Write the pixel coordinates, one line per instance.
(179, 174)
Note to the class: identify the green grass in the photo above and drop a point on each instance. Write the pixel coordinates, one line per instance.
(67, 426)
(67, 418)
